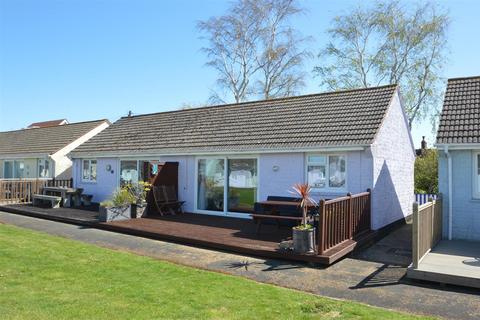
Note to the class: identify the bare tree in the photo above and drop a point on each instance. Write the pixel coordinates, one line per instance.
(232, 48)
(388, 44)
(281, 55)
(254, 50)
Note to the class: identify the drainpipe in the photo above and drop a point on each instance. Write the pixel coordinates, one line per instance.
(450, 199)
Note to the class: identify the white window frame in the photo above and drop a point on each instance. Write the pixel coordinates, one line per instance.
(475, 172)
(5, 169)
(225, 211)
(50, 168)
(89, 180)
(138, 160)
(327, 171)
(13, 162)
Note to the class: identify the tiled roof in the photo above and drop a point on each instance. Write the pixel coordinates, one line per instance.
(43, 140)
(343, 118)
(460, 119)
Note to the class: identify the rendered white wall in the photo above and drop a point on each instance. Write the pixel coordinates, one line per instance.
(465, 208)
(63, 164)
(393, 169)
(186, 179)
(291, 169)
(107, 181)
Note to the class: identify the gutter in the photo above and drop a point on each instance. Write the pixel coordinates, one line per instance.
(167, 153)
(457, 146)
(450, 191)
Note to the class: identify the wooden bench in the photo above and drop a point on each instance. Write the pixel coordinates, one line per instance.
(277, 208)
(54, 200)
(258, 218)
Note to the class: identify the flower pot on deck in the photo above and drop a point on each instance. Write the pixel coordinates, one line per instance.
(138, 210)
(303, 240)
(109, 214)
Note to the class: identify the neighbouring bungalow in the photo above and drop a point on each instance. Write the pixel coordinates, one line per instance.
(458, 141)
(443, 230)
(41, 151)
(230, 156)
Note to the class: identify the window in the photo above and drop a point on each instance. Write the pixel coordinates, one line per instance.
(89, 170)
(211, 184)
(326, 171)
(128, 172)
(476, 175)
(227, 185)
(133, 171)
(8, 169)
(43, 168)
(19, 169)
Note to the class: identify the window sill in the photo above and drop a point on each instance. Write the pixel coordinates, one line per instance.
(331, 191)
(89, 182)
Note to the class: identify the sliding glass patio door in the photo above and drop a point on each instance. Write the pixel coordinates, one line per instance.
(226, 185)
(242, 184)
(211, 184)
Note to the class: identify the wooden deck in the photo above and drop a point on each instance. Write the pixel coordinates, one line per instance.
(224, 233)
(452, 262)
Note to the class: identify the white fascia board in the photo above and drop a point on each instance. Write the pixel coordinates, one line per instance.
(24, 156)
(457, 146)
(77, 142)
(162, 153)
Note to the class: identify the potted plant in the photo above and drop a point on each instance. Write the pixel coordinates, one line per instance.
(118, 207)
(303, 234)
(139, 192)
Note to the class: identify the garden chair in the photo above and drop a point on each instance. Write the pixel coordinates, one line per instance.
(166, 201)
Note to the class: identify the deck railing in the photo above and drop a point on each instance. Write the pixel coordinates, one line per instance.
(342, 219)
(22, 190)
(426, 228)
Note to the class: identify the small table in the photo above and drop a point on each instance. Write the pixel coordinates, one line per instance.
(68, 195)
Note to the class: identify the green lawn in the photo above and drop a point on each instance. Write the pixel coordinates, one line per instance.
(47, 277)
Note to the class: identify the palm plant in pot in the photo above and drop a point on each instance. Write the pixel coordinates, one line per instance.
(139, 193)
(303, 234)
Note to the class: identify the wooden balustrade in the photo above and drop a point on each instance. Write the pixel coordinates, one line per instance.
(342, 219)
(22, 190)
(426, 228)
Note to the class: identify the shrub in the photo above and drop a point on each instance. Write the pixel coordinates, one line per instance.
(426, 172)
(121, 197)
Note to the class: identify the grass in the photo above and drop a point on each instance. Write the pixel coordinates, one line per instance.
(246, 197)
(47, 277)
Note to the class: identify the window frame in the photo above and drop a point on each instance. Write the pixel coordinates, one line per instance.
(5, 169)
(139, 169)
(89, 180)
(44, 161)
(225, 158)
(475, 174)
(328, 188)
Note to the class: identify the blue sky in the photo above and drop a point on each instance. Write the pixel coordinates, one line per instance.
(85, 60)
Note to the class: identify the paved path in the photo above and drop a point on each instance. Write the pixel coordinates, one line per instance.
(378, 282)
